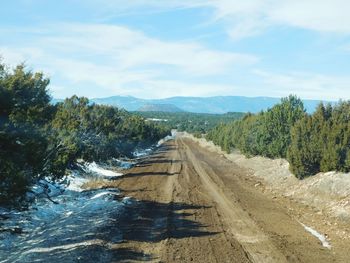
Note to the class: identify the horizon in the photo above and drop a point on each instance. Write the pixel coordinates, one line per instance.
(213, 105)
(237, 96)
(198, 48)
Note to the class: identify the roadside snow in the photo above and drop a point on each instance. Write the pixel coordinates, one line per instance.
(58, 229)
(63, 219)
(109, 193)
(93, 167)
(321, 237)
(69, 246)
(124, 164)
(167, 138)
(75, 182)
(142, 152)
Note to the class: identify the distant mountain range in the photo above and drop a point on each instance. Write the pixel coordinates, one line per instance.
(218, 104)
(160, 107)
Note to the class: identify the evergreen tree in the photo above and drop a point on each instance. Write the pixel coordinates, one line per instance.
(40, 140)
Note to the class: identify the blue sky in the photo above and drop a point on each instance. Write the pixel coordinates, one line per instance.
(159, 48)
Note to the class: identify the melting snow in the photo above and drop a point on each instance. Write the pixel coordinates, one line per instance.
(167, 138)
(69, 246)
(321, 237)
(141, 153)
(52, 229)
(75, 182)
(62, 227)
(124, 164)
(58, 230)
(93, 167)
(103, 194)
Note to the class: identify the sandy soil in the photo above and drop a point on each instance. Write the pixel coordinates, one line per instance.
(195, 205)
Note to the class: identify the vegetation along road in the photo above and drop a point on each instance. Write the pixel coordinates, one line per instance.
(196, 206)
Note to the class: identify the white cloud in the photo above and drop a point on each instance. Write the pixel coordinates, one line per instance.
(248, 18)
(120, 60)
(131, 49)
(116, 58)
(170, 88)
(318, 15)
(305, 85)
(14, 56)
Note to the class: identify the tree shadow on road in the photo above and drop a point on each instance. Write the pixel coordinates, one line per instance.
(136, 221)
(157, 160)
(165, 148)
(150, 221)
(145, 174)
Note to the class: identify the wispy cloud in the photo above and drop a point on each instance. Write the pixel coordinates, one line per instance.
(130, 52)
(129, 49)
(246, 18)
(249, 18)
(114, 57)
(305, 85)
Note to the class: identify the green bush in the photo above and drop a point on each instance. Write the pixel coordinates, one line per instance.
(311, 143)
(321, 142)
(38, 139)
(266, 133)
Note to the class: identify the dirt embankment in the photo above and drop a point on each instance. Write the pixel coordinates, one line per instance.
(197, 205)
(328, 194)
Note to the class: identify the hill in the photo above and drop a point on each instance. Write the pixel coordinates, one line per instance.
(218, 104)
(160, 107)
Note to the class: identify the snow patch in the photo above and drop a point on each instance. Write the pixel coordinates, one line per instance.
(75, 182)
(167, 138)
(124, 164)
(57, 230)
(69, 246)
(63, 217)
(104, 194)
(142, 152)
(93, 167)
(321, 237)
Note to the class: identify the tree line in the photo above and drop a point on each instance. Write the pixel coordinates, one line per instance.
(196, 123)
(38, 139)
(312, 143)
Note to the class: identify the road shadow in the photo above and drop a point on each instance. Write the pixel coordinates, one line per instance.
(144, 174)
(166, 147)
(136, 221)
(152, 161)
(150, 221)
(128, 254)
(140, 221)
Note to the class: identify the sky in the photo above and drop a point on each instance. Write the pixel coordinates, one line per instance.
(165, 48)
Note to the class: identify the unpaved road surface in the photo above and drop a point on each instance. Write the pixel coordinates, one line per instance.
(197, 206)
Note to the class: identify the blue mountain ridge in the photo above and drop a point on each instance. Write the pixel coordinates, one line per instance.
(217, 104)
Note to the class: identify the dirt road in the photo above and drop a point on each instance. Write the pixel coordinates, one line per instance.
(196, 206)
